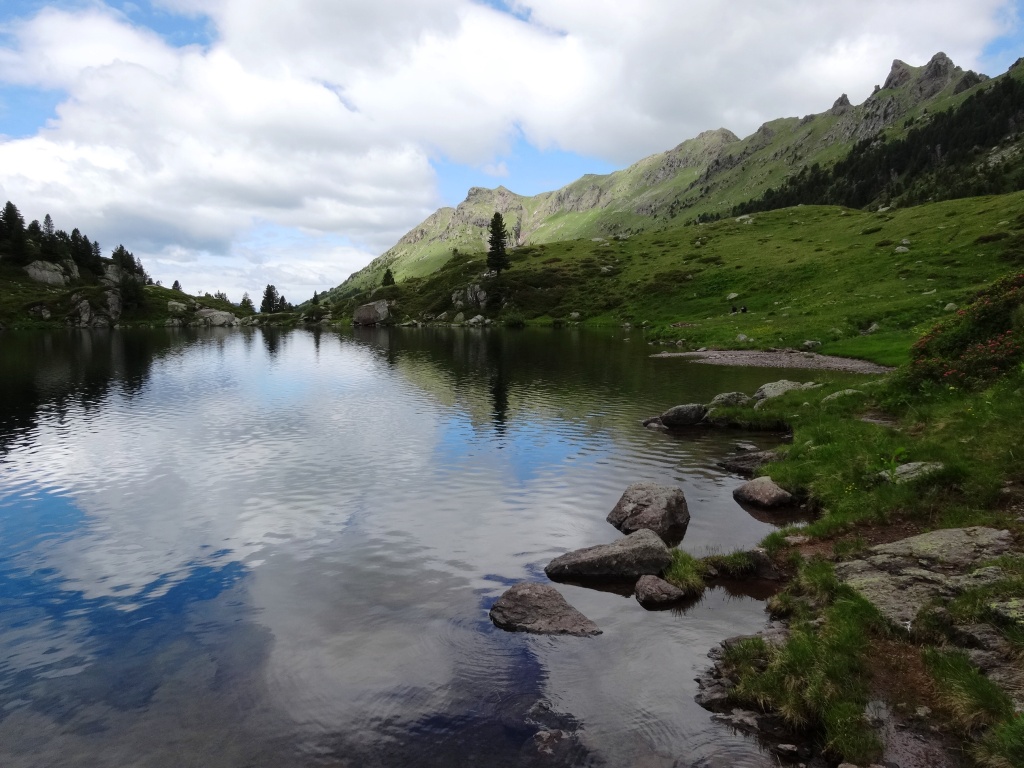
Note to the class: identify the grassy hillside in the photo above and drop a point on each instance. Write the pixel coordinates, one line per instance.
(702, 178)
(815, 273)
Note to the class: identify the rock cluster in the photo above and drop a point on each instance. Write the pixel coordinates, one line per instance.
(699, 414)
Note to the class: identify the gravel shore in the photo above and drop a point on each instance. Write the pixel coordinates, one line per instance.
(780, 358)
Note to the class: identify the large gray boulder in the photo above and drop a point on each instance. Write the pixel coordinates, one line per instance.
(45, 272)
(658, 508)
(176, 307)
(541, 610)
(372, 314)
(639, 554)
(214, 317)
(684, 415)
(762, 492)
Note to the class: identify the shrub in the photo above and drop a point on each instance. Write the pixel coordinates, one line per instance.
(978, 344)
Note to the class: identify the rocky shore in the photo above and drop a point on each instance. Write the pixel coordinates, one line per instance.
(779, 358)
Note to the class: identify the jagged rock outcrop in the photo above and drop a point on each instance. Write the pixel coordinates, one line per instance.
(46, 272)
(658, 508)
(539, 609)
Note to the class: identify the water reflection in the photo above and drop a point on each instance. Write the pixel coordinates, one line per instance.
(282, 551)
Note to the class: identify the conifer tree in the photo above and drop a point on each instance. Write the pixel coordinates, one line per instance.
(270, 299)
(497, 258)
(389, 278)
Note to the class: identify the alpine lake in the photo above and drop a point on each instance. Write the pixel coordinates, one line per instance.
(228, 548)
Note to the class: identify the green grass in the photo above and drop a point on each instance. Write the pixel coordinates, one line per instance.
(974, 701)
(1002, 746)
(804, 273)
(818, 679)
(686, 572)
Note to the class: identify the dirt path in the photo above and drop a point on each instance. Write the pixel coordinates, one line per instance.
(782, 358)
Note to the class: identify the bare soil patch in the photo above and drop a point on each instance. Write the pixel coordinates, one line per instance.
(779, 358)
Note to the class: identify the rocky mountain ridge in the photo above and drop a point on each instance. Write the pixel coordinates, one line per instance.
(702, 176)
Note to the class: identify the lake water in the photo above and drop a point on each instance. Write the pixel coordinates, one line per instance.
(252, 548)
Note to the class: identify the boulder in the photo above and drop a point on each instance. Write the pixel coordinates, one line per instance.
(726, 399)
(652, 592)
(639, 554)
(762, 492)
(373, 313)
(81, 312)
(114, 305)
(476, 320)
(913, 470)
(176, 308)
(684, 415)
(840, 394)
(658, 508)
(742, 337)
(541, 610)
(749, 462)
(574, 316)
(214, 317)
(811, 344)
(951, 307)
(45, 272)
(459, 318)
(778, 388)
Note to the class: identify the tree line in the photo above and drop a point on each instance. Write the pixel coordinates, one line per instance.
(949, 155)
(22, 244)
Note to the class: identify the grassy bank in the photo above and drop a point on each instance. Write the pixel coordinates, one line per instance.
(815, 273)
(958, 403)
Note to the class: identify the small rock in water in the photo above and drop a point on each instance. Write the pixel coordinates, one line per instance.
(658, 508)
(762, 492)
(539, 609)
(652, 592)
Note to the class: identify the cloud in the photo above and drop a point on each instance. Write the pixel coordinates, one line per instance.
(322, 118)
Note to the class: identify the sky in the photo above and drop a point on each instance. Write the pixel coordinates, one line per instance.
(234, 143)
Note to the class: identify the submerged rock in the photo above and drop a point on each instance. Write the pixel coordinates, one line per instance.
(747, 464)
(762, 492)
(639, 554)
(541, 610)
(658, 508)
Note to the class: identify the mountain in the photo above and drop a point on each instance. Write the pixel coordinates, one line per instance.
(701, 178)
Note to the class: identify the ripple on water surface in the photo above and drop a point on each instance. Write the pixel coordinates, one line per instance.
(287, 544)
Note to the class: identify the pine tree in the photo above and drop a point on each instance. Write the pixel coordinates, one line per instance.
(177, 286)
(389, 278)
(245, 304)
(497, 258)
(14, 239)
(269, 303)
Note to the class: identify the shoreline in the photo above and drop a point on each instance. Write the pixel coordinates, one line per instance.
(780, 358)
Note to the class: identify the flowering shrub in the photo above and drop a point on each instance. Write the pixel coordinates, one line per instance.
(978, 344)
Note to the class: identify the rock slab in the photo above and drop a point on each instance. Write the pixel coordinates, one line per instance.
(658, 508)
(762, 492)
(747, 464)
(541, 610)
(639, 554)
(902, 577)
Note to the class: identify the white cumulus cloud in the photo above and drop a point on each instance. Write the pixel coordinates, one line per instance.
(318, 120)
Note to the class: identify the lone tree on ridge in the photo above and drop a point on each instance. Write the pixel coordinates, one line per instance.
(497, 258)
(389, 278)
